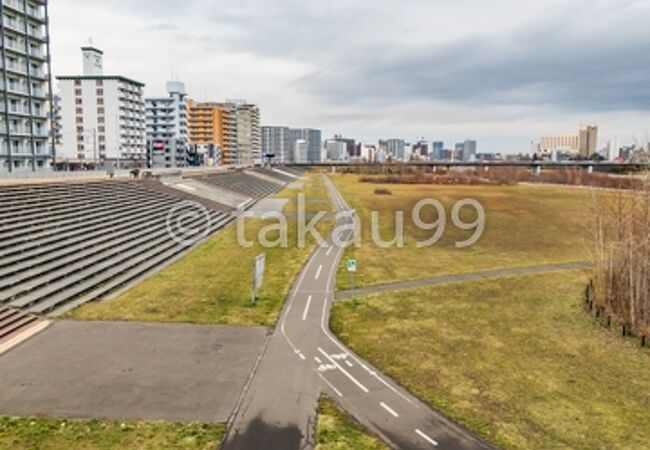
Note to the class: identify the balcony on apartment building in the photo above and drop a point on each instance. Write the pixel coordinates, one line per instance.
(37, 13)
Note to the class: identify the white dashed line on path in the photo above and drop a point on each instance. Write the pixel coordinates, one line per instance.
(389, 409)
(427, 438)
(304, 315)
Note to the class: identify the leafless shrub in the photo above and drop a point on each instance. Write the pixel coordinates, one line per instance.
(444, 178)
(568, 176)
(621, 285)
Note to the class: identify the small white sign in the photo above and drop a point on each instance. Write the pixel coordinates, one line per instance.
(352, 265)
(258, 272)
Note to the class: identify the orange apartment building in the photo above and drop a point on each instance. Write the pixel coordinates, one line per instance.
(215, 123)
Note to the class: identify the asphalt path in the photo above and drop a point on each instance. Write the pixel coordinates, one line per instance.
(304, 359)
(464, 278)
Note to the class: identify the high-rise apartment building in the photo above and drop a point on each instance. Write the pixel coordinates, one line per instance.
(167, 128)
(249, 135)
(102, 116)
(215, 124)
(25, 87)
(276, 144)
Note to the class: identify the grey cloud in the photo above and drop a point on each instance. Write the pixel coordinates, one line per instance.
(546, 65)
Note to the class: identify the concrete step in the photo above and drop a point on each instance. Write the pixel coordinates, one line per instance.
(66, 281)
(75, 226)
(123, 278)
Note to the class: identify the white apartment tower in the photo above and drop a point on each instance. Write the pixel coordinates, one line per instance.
(167, 128)
(102, 116)
(249, 135)
(25, 86)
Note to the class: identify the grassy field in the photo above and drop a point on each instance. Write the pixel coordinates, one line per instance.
(338, 431)
(515, 359)
(526, 225)
(212, 285)
(50, 434)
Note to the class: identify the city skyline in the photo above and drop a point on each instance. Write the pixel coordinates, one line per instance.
(447, 72)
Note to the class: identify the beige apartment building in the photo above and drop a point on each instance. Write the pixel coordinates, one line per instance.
(584, 143)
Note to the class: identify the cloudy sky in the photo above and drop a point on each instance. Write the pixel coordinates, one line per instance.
(502, 72)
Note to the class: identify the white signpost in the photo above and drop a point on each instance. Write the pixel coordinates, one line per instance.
(259, 266)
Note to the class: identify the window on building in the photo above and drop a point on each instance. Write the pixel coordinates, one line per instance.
(100, 92)
(100, 101)
(77, 92)
(77, 82)
(80, 120)
(100, 110)
(100, 83)
(78, 102)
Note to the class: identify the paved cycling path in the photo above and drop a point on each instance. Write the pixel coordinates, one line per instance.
(463, 278)
(304, 359)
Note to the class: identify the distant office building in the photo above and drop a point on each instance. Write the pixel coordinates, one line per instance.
(613, 149)
(421, 149)
(167, 128)
(301, 151)
(102, 116)
(584, 143)
(437, 149)
(276, 144)
(396, 148)
(369, 152)
(25, 89)
(313, 139)
(212, 125)
(459, 152)
(588, 144)
(381, 156)
(350, 146)
(249, 138)
(470, 149)
(336, 150)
